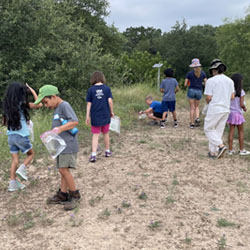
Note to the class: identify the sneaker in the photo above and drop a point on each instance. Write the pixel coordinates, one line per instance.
(221, 152)
(15, 185)
(74, 199)
(162, 125)
(92, 158)
(21, 172)
(197, 122)
(230, 152)
(58, 198)
(108, 153)
(244, 152)
(175, 124)
(211, 156)
(153, 123)
(191, 126)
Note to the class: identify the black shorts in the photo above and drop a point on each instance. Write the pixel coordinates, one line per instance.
(158, 114)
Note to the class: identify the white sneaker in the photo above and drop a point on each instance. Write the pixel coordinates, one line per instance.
(14, 186)
(244, 152)
(21, 172)
(230, 152)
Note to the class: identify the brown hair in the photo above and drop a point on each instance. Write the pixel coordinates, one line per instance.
(96, 77)
(149, 97)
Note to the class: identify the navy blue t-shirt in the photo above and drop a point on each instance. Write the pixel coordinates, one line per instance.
(98, 95)
(196, 83)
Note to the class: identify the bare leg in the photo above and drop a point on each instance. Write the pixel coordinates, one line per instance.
(67, 180)
(13, 167)
(106, 140)
(164, 115)
(231, 136)
(192, 109)
(30, 156)
(151, 116)
(174, 115)
(197, 110)
(95, 139)
(241, 136)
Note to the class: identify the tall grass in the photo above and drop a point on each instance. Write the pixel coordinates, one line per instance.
(128, 101)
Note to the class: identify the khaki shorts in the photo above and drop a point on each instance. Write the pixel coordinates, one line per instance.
(66, 160)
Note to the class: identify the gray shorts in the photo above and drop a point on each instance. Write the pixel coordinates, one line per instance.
(66, 160)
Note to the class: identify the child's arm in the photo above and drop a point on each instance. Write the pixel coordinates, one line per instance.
(31, 104)
(177, 89)
(110, 101)
(87, 121)
(186, 82)
(65, 127)
(147, 111)
(208, 98)
(242, 105)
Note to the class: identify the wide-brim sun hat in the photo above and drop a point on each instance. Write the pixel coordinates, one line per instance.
(215, 64)
(195, 63)
(46, 90)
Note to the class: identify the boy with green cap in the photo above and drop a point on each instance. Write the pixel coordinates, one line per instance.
(67, 194)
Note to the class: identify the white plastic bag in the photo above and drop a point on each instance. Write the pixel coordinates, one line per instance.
(53, 142)
(31, 129)
(142, 116)
(115, 124)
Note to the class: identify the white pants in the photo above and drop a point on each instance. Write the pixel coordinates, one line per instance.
(214, 127)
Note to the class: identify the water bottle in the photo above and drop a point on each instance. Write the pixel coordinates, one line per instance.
(73, 131)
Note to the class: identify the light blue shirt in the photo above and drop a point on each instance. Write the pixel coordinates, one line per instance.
(169, 85)
(24, 131)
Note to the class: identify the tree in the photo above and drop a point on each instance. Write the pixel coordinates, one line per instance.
(180, 45)
(233, 40)
(143, 39)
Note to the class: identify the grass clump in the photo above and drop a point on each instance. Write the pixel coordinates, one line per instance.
(225, 223)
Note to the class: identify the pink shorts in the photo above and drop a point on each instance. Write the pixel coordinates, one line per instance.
(97, 130)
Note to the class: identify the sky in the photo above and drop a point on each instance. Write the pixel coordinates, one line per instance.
(163, 14)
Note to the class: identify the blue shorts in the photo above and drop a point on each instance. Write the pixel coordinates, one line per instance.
(19, 143)
(194, 94)
(168, 106)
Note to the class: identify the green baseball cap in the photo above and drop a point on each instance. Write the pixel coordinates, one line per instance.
(46, 90)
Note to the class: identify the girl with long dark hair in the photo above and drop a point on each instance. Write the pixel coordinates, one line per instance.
(16, 118)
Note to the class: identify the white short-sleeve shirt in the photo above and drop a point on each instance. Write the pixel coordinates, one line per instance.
(221, 88)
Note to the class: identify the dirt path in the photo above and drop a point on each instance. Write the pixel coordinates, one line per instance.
(158, 191)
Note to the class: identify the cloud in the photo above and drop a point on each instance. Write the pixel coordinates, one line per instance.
(163, 14)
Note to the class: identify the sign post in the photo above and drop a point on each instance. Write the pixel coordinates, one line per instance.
(158, 65)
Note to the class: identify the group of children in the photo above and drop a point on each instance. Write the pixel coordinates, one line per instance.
(99, 112)
(16, 118)
(226, 98)
(158, 111)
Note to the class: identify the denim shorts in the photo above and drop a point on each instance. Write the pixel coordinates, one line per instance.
(168, 106)
(194, 94)
(19, 143)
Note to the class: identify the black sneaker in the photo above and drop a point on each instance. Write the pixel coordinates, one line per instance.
(197, 122)
(221, 152)
(191, 126)
(162, 124)
(74, 199)
(153, 123)
(211, 156)
(175, 124)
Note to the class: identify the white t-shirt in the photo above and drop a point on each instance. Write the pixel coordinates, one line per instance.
(221, 88)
